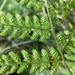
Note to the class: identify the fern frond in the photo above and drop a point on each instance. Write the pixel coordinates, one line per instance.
(17, 26)
(69, 48)
(36, 5)
(37, 61)
(38, 27)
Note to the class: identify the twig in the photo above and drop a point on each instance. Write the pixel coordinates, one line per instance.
(21, 43)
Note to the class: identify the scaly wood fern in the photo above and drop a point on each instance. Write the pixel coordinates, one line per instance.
(41, 25)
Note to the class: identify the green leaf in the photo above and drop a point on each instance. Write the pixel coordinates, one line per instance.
(5, 31)
(14, 56)
(45, 60)
(38, 6)
(26, 56)
(13, 68)
(22, 68)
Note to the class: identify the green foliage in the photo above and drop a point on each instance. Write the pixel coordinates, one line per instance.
(22, 27)
(39, 20)
(36, 5)
(37, 61)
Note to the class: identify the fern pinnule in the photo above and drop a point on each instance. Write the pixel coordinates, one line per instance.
(30, 3)
(10, 18)
(61, 39)
(36, 21)
(3, 69)
(36, 58)
(26, 56)
(38, 6)
(16, 60)
(45, 60)
(5, 31)
(16, 32)
(44, 22)
(35, 34)
(2, 17)
(36, 31)
(19, 19)
(23, 1)
(24, 34)
(14, 56)
(45, 25)
(72, 49)
(54, 68)
(28, 22)
(5, 58)
(44, 35)
(36, 55)
(13, 68)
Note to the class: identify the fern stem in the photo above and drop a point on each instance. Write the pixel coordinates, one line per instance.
(3, 4)
(12, 46)
(27, 27)
(53, 32)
